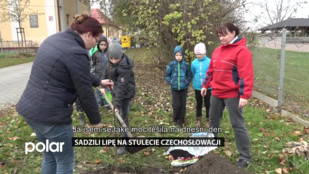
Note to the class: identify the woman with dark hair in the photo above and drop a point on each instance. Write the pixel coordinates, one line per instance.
(230, 75)
(61, 73)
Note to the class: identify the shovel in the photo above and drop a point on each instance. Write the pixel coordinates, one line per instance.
(123, 150)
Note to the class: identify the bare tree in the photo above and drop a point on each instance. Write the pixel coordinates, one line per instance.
(14, 11)
(279, 11)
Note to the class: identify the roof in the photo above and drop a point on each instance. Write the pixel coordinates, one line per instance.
(289, 24)
(103, 19)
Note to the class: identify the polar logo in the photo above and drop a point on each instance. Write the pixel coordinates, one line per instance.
(44, 147)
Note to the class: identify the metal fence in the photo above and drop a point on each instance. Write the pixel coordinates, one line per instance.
(14, 46)
(281, 68)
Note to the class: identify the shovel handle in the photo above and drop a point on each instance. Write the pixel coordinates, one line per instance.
(123, 124)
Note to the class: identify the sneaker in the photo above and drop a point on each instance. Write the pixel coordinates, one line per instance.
(242, 163)
(181, 161)
(180, 125)
(121, 151)
(82, 122)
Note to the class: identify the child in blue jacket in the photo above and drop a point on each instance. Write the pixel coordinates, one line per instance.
(199, 67)
(178, 75)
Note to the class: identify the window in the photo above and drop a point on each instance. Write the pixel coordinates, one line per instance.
(68, 20)
(34, 23)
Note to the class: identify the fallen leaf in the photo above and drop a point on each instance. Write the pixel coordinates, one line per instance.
(14, 138)
(297, 133)
(146, 153)
(97, 161)
(86, 126)
(285, 170)
(228, 153)
(86, 162)
(306, 130)
(278, 170)
(262, 129)
(110, 125)
(106, 148)
(277, 138)
(79, 166)
(281, 157)
(283, 162)
(102, 151)
(290, 120)
(216, 152)
(121, 160)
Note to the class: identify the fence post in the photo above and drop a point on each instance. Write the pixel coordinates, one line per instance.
(282, 58)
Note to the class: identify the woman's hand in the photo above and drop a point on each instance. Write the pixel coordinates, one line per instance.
(107, 83)
(203, 92)
(102, 90)
(116, 110)
(242, 102)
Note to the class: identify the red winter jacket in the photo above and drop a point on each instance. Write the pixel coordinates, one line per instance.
(230, 73)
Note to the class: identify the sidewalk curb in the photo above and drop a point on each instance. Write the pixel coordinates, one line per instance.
(274, 103)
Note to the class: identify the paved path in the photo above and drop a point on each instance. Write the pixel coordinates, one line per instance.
(13, 81)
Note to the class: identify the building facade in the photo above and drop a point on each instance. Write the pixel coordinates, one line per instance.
(42, 19)
(110, 29)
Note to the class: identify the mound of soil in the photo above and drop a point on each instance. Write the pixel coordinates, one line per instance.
(209, 164)
(214, 164)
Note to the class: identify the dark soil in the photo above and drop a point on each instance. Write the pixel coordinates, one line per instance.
(209, 164)
(214, 164)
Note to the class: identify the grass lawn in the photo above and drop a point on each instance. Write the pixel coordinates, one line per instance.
(296, 80)
(151, 106)
(10, 59)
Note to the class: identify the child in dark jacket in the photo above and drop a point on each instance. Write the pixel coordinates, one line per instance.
(120, 70)
(99, 64)
(178, 75)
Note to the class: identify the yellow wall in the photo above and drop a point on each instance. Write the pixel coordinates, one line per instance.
(5, 27)
(5, 31)
(40, 33)
(37, 35)
(70, 10)
(111, 31)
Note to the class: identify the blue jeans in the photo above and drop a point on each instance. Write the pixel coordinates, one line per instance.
(124, 113)
(100, 99)
(55, 162)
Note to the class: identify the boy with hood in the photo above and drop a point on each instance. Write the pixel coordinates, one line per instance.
(99, 64)
(120, 70)
(178, 75)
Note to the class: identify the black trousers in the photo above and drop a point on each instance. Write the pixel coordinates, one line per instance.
(199, 103)
(179, 106)
(79, 107)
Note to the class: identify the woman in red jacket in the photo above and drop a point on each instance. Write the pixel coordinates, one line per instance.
(230, 75)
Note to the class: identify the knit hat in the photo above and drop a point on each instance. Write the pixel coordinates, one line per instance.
(200, 48)
(115, 50)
